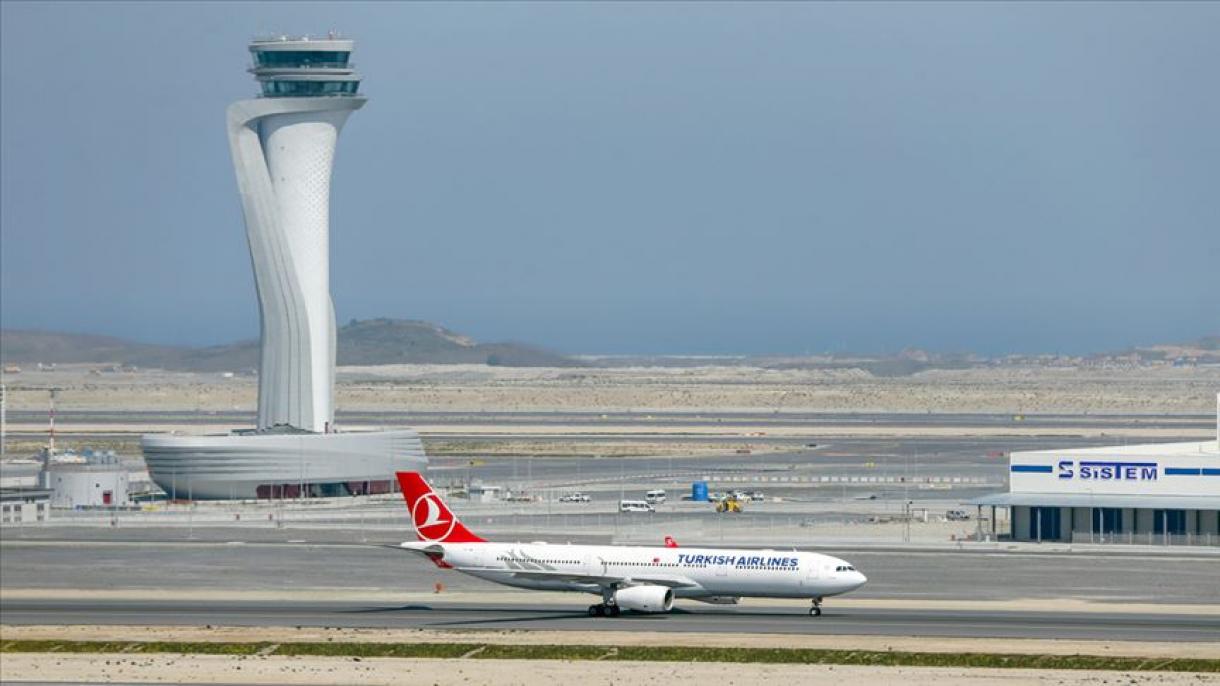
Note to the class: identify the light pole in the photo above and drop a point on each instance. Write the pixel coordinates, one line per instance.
(906, 479)
(364, 463)
(190, 513)
(3, 418)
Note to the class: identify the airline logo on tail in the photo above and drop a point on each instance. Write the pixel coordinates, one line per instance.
(430, 524)
(433, 520)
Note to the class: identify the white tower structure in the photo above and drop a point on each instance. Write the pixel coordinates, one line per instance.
(283, 147)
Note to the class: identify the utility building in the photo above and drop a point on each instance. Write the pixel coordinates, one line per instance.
(92, 480)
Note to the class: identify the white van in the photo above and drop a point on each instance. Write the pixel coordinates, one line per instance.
(655, 497)
(634, 506)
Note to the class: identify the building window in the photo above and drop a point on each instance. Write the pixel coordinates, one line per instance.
(1107, 520)
(309, 88)
(302, 58)
(1044, 523)
(1169, 522)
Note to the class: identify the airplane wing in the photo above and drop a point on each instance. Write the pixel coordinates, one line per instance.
(603, 580)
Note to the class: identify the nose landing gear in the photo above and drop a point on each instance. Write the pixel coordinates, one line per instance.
(816, 610)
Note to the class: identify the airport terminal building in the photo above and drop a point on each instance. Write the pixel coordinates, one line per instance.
(1144, 494)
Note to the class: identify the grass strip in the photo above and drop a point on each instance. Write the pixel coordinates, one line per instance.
(195, 647)
(807, 656)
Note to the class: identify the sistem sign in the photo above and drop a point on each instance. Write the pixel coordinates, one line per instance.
(1108, 471)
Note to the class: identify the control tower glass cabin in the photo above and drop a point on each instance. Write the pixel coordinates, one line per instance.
(304, 67)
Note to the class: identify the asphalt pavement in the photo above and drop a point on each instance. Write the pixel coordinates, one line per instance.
(317, 567)
(688, 617)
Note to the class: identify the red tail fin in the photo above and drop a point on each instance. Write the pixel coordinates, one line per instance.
(433, 519)
(670, 542)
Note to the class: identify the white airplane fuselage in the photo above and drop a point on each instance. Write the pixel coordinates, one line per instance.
(696, 573)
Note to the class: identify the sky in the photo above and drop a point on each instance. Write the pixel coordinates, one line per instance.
(631, 178)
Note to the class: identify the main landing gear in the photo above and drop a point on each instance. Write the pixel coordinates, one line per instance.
(603, 610)
(816, 610)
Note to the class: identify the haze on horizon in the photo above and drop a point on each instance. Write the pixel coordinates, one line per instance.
(641, 178)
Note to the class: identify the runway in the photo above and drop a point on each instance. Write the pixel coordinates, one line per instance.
(87, 562)
(688, 617)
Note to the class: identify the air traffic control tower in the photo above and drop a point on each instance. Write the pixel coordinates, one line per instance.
(283, 148)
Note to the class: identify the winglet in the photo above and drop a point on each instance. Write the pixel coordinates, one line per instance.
(432, 518)
(670, 542)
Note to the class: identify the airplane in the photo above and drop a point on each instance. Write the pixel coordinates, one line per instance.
(636, 578)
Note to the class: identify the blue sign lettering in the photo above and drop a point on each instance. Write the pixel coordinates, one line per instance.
(1096, 470)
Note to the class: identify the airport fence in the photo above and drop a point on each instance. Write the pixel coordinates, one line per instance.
(780, 524)
(1150, 538)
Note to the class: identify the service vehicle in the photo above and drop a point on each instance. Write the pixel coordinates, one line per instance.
(729, 504)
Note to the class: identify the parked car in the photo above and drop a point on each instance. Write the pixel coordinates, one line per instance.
(957, 515)
(634, 506)
(655, 497)
(575, 498)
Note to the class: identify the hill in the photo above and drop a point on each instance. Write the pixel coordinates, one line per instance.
(409, 341)
(369, 342)
(29, 347)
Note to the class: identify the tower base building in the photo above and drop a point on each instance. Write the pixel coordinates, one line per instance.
(276, 465)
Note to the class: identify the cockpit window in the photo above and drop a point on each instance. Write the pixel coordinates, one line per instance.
(845, 568)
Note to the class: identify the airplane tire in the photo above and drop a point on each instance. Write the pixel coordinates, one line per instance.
(597, 610)
(613, 610)
(815, 612)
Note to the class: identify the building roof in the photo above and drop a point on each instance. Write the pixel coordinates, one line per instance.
(1142, 502)
(1208, 449)
(24, 494)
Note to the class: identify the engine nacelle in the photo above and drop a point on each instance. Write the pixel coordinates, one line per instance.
(645, 598)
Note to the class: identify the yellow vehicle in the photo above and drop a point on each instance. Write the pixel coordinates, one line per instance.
(729, 503)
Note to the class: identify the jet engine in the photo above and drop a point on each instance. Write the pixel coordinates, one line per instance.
(645, 598)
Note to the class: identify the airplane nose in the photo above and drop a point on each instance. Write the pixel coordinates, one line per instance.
(861, 580)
